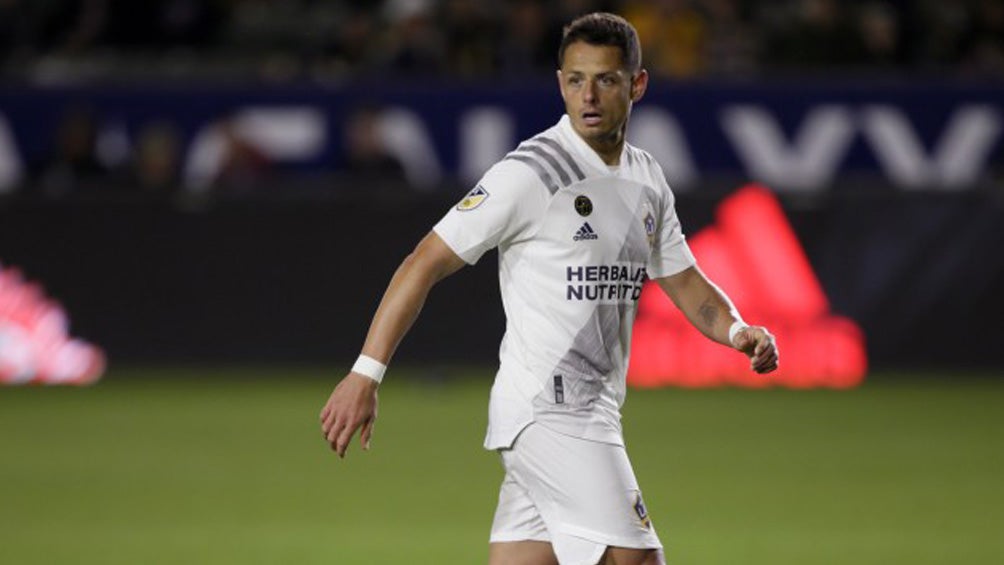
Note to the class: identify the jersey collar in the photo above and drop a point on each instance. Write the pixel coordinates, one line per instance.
(584, 150)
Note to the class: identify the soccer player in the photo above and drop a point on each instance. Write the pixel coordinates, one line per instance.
(580, 219)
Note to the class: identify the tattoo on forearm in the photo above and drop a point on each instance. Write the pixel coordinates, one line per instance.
(708, 313)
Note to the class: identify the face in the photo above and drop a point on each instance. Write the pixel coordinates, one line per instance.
(598, 92)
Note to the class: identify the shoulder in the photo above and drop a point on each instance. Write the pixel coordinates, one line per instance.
(641, 160)
(512, 176)
(550, 160)
(645, 167)
(647, 171)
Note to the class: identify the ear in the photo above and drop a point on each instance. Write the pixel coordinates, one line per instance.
(638, 85)
(561, 84)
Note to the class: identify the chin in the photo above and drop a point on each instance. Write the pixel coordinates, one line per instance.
(593, 131)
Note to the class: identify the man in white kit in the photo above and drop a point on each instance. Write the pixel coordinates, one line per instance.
(580, 219)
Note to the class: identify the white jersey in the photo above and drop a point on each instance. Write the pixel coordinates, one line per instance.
(576, 240)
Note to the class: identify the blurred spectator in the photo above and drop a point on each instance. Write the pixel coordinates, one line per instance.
(74, 162)
(982, 45)
(938, 31)
(672, 34)
(527, 44)
(731, 45)
(367, 156)
(163, 23)
(18, 29)
(347, 50)
(72, 27)
(293, 39)
(157, 159)
(224, 159)
(470, 37)
(243, 166)
(276, 39)
(562, 12)
(413, 44)
(879, 32)
(813, 34)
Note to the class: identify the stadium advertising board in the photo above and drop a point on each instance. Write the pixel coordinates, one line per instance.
(35, 344)
(751, 252)
(793, 137)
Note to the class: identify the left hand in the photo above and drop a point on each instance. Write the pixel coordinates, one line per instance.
(758, 344)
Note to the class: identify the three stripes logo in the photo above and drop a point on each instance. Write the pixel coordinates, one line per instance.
(585, 232)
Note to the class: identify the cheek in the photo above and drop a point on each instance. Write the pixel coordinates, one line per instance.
(617, 101)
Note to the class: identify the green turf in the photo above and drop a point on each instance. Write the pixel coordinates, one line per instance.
(220, 467)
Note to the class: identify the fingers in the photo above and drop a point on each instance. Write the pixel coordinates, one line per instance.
(331, 424)
(338, 435)
(328, 419)
(759, 345)
(765, 357)
(366, 434)
(331, 432)
(766, 363)
(338, 430)
(343, 438)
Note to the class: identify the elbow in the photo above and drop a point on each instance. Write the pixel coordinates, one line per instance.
(431, 261)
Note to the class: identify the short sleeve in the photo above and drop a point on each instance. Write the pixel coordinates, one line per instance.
(500, 208)
(670, 253)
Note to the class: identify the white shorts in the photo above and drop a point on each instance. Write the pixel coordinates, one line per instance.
(579, 495)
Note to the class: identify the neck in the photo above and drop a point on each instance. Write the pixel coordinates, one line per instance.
(609, 148)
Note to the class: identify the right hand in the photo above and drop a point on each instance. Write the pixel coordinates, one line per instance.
(351, 406)
(758, 344)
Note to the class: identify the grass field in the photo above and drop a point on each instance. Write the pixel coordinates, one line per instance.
(228, 467)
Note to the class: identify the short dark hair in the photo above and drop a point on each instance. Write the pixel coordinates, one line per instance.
(603, 28)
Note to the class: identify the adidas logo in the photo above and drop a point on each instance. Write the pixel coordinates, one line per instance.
(585, 232)
(800, 313)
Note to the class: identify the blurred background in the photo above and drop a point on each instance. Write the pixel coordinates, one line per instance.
(190, 186)
(204, 180)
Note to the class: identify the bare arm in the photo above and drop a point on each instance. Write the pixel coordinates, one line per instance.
(353, 403)
(711, 312)
(429, 263)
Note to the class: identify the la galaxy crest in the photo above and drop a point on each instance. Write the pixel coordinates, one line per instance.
(649, 222)
(641, 511)
(473, 199)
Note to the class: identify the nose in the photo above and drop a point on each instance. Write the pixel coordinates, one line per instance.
(589, 92)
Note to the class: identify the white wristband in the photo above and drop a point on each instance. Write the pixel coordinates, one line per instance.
(735, 328)
(369, 367)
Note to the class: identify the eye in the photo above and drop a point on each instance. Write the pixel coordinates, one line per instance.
(575, 80)
(608, 80)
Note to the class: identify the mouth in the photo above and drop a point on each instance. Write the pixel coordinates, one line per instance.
(591, 118)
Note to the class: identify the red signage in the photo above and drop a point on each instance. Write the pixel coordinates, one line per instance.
(35, 345)
(753, 254)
